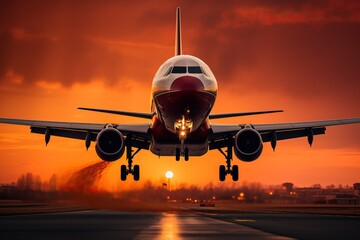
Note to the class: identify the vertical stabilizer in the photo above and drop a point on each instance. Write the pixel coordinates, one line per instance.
(178, 49)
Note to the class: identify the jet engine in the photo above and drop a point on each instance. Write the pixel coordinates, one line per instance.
(248, 144)
(110, 144)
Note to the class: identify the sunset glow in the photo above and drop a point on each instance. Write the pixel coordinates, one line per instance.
(302, 57)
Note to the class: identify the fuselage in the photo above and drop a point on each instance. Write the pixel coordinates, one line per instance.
(183, 93)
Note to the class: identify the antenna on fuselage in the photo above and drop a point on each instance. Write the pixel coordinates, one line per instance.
(178, 49)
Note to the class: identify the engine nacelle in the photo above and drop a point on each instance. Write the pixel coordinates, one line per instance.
(248, 144)
(110, 144)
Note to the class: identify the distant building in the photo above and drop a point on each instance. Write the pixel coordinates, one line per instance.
(288, 194)
(283, 195)
(289, 187)
(320, 195)
(345, 200)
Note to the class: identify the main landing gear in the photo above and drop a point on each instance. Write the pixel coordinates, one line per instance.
(224, 170)
(129, 169)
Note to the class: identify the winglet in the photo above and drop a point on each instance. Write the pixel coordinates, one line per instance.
(178, 50)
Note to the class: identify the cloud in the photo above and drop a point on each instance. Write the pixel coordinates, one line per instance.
(278, 46)
(292, 12)
(301, 50)
(59, 42)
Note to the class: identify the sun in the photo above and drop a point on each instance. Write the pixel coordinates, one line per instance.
(169, 174)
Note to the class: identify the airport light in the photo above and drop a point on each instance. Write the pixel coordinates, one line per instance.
(241, 196)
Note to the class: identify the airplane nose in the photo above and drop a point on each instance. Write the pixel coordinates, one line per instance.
(187, 83)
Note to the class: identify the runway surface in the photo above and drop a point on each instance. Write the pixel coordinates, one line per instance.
(297, 225)
(97, 224)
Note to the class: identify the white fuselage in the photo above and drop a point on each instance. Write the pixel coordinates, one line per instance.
(183, 93)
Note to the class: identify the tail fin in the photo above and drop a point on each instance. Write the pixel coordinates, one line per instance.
(178, 49)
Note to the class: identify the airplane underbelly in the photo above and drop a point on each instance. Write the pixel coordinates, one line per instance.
(163, 149)
(194, 105)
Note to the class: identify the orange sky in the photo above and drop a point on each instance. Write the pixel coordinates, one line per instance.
(300, 56)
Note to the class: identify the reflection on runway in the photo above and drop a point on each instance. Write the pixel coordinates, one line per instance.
(174, 226)
(169, 226)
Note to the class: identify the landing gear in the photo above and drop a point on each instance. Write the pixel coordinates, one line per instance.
(136, 173)
(235, 173)
(177, 154)
(182, 152)
(224, 170)
(129, 169)
(123, 173)
(186, 154)
(183, 126)
(222, 173)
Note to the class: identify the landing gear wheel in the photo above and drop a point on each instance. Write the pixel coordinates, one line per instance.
(177, 154)
(222, 173)
(129, 168)
(136, 173)
(186, 154)
(228, 169)
(235, 173)
(123, 173)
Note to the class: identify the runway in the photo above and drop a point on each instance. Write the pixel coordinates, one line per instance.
(123, 225)
(96, 224)
(297, 225)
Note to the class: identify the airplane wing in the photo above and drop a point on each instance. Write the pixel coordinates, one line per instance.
(282, 131)
(138, 132)
(151, 115)
(124, 113)
(240, 114)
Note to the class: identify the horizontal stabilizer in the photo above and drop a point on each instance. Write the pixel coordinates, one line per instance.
(239, 114)
(131, 114)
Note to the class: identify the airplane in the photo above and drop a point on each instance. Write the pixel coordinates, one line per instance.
(183, 93)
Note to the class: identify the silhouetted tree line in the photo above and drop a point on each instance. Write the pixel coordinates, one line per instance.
(250, 192)
(82, 185)
(29, 187)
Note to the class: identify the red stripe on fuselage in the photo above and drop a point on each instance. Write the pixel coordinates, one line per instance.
(187, 83)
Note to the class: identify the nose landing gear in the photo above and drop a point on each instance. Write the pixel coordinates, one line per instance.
(183, 151)
(183, 127)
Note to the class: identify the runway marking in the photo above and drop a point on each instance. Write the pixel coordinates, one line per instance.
(244, 220)
(50, 213)
(208, 214)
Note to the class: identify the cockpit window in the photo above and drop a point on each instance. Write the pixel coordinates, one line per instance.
(168, 72)
(183, 69)
(177, 69)
(195, 69)
(203, 70)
